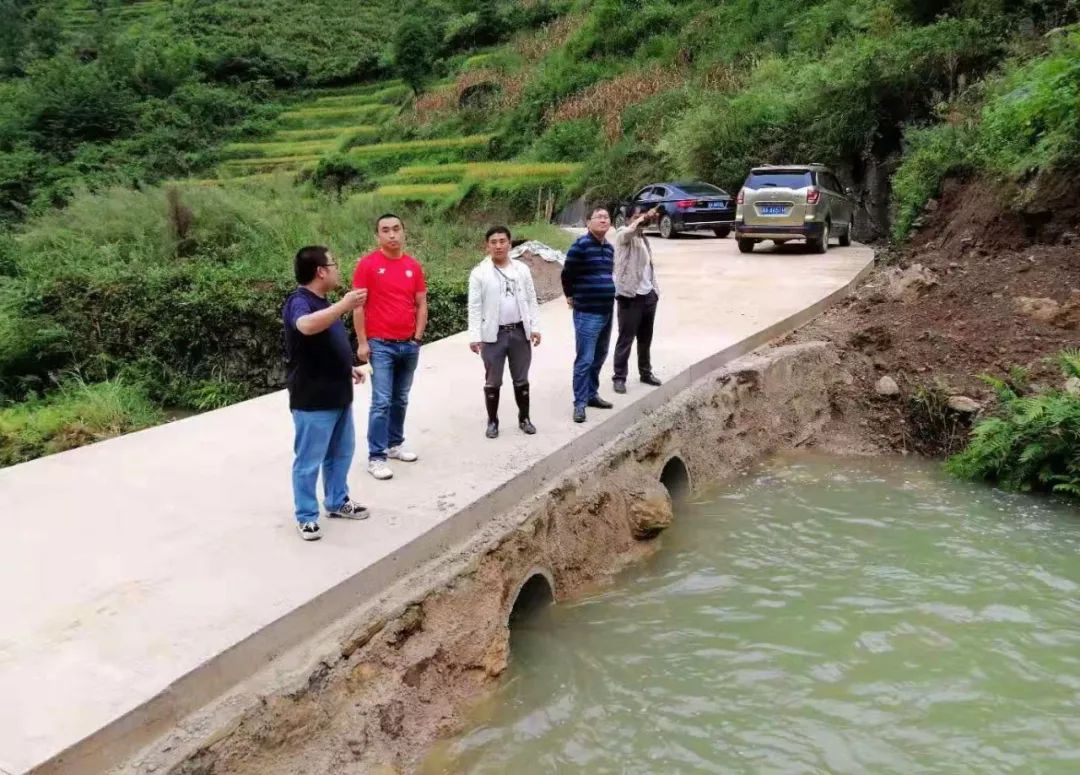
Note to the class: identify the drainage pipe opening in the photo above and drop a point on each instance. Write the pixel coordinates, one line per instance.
(676, 479)
(534, 596)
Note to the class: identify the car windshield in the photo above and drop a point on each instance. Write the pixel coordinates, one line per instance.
(778, 179)
(702, 189)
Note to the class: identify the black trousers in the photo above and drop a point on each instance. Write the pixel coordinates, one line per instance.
(512, 344)
(636, 318)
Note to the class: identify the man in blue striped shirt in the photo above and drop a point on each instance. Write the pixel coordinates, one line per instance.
(589, 288)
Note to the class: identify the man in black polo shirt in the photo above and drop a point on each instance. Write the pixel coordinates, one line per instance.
(320, 377)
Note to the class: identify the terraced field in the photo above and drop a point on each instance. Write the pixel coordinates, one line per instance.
(353, 122)
(330, 121)
(453, 182)
(81, 15)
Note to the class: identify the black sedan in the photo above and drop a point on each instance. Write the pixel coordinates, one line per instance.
(683, 207)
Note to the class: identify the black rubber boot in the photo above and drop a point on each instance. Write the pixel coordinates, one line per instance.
(491, 400)
(521, 395)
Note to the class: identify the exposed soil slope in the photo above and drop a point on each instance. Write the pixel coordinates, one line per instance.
(981, 288)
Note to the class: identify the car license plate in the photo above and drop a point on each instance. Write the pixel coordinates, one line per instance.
(773, 209)
(716, 205)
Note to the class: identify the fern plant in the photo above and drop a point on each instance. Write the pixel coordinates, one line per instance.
(1070, 362)
(1033, 440)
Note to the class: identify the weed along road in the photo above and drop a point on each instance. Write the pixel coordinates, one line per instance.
(147, 574)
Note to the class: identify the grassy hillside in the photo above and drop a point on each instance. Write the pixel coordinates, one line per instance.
(645, 90)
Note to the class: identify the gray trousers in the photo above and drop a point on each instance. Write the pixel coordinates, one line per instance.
(513, 344)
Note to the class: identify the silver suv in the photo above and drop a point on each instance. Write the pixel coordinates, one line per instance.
(797, 202)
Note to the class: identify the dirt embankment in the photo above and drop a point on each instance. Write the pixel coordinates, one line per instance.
(981, 288)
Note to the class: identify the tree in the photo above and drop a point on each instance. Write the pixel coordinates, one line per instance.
(46, 33)
(417, 45)
(12, 35)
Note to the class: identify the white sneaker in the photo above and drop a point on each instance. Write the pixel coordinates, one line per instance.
(309, 531)
(404, 455)
(379, 469)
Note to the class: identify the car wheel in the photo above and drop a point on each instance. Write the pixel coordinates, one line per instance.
(745, 245)
(845, 238)
(821, 244)
(722, 232)
(667, 228)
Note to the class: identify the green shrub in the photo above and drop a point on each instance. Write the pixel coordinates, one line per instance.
(611, 176)
(66, 102)
(1032, 119)
(568, 141)
(1032, 442)
(31, 345)
(933, 428)
(617, 27)
(448, 306)
(76, 414)
(123, 283)
(1028, 122)
(561, 75)
(24, 175)
(839, 108)
(338, 173)
(931, 155)
(723, 137)
(320, 42)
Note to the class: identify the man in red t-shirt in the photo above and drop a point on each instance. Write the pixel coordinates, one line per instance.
(389, 329)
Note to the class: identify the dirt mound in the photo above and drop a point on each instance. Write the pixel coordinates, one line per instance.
(980, 288)
(547, 277)
(978, 214)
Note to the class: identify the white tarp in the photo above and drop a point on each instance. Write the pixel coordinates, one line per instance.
(538, 250)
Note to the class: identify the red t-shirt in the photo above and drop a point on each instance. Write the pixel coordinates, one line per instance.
(392, 285)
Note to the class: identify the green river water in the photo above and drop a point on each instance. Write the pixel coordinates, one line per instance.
(820, 615)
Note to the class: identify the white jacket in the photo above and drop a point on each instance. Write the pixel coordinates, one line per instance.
(485, 291)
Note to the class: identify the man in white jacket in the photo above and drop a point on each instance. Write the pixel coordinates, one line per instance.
(503, 324)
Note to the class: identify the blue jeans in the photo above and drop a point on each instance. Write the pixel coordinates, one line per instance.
(393, 365)
(324, 439)
(592, 333)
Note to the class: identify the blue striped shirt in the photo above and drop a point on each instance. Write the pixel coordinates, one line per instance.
(587, 274)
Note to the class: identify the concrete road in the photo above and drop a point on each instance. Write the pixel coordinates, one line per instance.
(134, 564)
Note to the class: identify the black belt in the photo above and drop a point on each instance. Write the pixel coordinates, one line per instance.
(511, 326)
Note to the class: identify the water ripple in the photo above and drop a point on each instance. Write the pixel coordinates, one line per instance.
(820, 615)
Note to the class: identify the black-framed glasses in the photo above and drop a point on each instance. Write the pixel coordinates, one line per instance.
(329, 263)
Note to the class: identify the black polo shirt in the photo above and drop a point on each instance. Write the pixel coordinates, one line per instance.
(318, 367)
